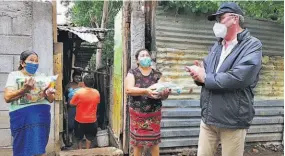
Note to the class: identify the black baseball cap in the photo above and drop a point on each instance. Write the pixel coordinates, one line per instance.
(226, 7)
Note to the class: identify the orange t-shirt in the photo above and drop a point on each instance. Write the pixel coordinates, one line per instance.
(86, 101)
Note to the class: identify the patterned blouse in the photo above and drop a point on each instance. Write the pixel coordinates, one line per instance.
(143, 103)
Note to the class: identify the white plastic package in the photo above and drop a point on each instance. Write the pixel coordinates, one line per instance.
(36, 94)
(159, 87)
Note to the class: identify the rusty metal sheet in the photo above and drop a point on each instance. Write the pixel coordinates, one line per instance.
(182, 39)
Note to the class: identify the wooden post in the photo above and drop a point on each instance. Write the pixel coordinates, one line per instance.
(137, 29)
(126, 67)
(57, 68)
(137, 34)
(100, 43)
(152, 24)
(54, 25)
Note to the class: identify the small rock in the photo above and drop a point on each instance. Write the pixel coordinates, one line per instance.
(255, 150)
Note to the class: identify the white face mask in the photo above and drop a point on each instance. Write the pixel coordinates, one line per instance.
(220, 30)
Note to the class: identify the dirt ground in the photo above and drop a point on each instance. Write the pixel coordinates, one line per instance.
(261, 150)
(250, 150)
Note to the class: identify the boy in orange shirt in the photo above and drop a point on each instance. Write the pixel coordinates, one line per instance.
(86, 100)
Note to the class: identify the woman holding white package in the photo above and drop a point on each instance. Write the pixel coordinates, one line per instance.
(30, 107)
(144, 104)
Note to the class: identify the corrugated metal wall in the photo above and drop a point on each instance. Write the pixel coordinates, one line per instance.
(180, 40)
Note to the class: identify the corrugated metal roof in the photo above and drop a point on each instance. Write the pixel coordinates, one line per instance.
(87, 34)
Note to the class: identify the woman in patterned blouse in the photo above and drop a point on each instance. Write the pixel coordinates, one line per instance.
(144, 104)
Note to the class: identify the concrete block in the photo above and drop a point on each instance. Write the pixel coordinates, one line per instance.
(15, 44)
(5, 139)
(4, 119)
(16, 18)
(6, 151)
(3, 105)
(22, 25)
(6, 25)
(3, 80)
(6, 64)
(15, 8)
(16, 62)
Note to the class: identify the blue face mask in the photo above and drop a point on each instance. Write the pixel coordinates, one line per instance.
(145, 62)
(31, 68)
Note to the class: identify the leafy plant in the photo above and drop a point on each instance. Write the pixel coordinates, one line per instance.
(89, 14)
(270, 10)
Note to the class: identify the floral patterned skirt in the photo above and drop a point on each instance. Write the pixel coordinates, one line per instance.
(144, 128)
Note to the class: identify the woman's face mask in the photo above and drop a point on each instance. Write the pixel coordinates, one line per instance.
(31, 64)
(145, 62)
(31, 67)
(144, 59)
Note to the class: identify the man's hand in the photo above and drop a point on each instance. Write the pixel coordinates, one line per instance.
(197, 71)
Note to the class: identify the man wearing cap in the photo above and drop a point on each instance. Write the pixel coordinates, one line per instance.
(227, 76)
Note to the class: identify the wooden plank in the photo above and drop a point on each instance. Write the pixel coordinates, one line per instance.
(54, 21)
(57, 68)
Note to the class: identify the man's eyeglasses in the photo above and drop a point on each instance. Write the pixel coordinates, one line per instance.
(220, 18)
